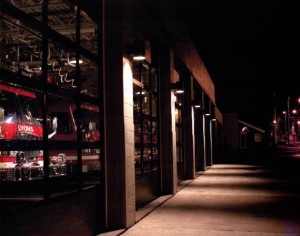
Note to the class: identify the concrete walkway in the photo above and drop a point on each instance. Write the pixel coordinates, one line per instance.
(230, 199)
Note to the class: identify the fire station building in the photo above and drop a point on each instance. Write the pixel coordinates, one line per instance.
(105, 106)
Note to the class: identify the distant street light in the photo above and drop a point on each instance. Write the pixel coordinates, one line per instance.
(274, 121)
(285, 126)
(298, 129)
(288, 120)
(294, 111)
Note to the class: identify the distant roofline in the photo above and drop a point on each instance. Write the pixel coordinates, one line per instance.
(252, 126)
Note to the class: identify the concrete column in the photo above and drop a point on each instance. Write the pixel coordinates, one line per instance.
(208, 141)
(129, 143)
(167, 152)
(203, 157)
(199, 140)
(188, 131)
(193, 114)
(118, 124)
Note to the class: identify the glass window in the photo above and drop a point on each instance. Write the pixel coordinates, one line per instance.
(147, 159)
(62, 18)
(89, 122)
(21, 50)
(154, 105)
(145, 119)
(136, 98)
(32, 7)
(20, 107)
(179, 136)
(24, 103)
(136, 71)
(137, 129)
(137, 160)
(153, 80)
(146, 102)
(178, 115)
(63, 121)
(89, 77)
(145, 75)
(154, 132)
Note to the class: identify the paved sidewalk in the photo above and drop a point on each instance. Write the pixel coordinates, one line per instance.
(230, 199)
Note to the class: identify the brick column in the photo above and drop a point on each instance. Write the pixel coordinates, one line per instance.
(167, 147)
(118, 124)
(187, 131)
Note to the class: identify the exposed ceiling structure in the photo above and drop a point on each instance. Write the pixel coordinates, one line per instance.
(21, 46)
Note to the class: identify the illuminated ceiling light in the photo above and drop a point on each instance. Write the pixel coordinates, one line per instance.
(179, 91)
(196, 104)
(139, 58)
(177, 87)
(138, 50)
(72, 62)
(138, 93)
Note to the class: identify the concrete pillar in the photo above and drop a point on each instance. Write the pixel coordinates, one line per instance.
(208, 140)
(188, 131)
(129, 143)
(203, 157)
(199, 140)
(118, 165)
(167, 152)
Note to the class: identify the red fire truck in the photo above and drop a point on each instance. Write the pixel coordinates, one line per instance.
(20, 120)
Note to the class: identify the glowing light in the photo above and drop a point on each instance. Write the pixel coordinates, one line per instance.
(138, 93)
(139, 58)
(179, 91)
(73, 62)
(9, 120)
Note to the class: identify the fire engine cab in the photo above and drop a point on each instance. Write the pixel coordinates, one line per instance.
(20, 121)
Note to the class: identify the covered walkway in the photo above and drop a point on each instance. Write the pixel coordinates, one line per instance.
(255, 193)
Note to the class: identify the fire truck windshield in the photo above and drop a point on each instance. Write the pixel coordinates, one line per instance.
(18, 115)
(18, 108)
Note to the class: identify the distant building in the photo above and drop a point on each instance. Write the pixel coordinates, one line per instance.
(240, 134)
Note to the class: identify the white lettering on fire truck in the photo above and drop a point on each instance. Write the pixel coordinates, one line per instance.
(25, 128)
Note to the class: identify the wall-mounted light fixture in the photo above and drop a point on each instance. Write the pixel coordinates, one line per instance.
(196, 104)
(177, 87)
(138, 50)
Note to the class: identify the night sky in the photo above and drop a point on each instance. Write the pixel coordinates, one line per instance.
(251, 49)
